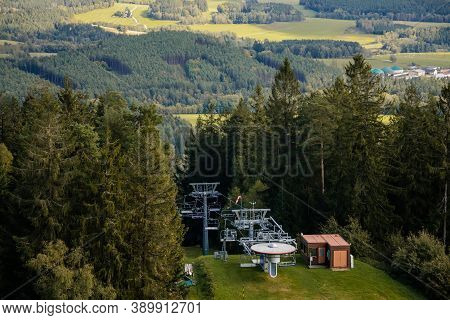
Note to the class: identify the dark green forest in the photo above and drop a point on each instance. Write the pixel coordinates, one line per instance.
(20, 17)
(87, 199)
(167, 67)
(420, 39)
(88, 188)
(318, 49)
(326, 159)
(177, 9)
(93, 164)
(406, 10)
(250, 11)
(170, 67)
(403, 38)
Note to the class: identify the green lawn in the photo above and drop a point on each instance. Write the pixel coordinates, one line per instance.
(191, 253)
(438, 59)
(298, 282)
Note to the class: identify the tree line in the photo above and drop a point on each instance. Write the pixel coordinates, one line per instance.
(177, 9)
(21, 17)
(167, 67)
(87, 200)
(402, 38)
(317, 49)
(325, 162)
(418, 39)
(404, 10)
(251, 11)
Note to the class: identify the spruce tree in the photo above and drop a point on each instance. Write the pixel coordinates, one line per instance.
(444, 109)
(283, 104)
(155, 228)
(414, 157)
(358, 168)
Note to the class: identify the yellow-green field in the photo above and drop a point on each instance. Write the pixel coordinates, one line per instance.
(438, 59)
(191, 118)
(423, 24)
(106, 16)
(311, 28)
(9, 42)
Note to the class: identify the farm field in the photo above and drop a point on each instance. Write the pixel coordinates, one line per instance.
(9, 42)
(105, 15)
(438, 59)
(298, 282)
(191, 118)
(311, 28)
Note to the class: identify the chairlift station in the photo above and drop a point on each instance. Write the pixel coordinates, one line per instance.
(263, 240)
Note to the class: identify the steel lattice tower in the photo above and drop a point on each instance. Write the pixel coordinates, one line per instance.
(204, 205)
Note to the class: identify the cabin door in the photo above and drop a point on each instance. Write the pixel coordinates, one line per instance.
(321, 257)
(340, 259)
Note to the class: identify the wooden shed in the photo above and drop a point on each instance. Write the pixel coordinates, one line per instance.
(329, 250)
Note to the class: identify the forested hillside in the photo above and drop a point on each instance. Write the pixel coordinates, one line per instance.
(325, 162)
(318, 49)
(167, 67)
(87, 198)
(177, 9)
(251, 11)
(425, 39)
(411, 10)
(19, 17)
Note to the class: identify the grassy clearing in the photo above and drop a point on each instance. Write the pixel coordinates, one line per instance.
(438, 59)
(191, 118)
(311, 28)
(106, 16)
(423, 24)
(364, 282)
(9, 42)
(42, 54)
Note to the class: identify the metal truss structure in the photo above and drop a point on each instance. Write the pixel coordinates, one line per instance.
(203, 203)
(254, 226)
(244, 226)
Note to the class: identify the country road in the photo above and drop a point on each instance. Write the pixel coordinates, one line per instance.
(135, 20)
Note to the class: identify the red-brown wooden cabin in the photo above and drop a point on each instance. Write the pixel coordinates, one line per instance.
(329, 250)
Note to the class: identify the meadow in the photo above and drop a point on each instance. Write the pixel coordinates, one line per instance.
(106, 15)
(230, 281)
(191, 118)
(438, 59)
(311, 28)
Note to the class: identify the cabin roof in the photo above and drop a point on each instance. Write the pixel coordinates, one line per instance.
(333, 240)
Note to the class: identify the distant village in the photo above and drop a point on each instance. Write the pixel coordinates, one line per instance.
(412, 72)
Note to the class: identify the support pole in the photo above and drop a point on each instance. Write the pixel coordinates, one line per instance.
(205, 224)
